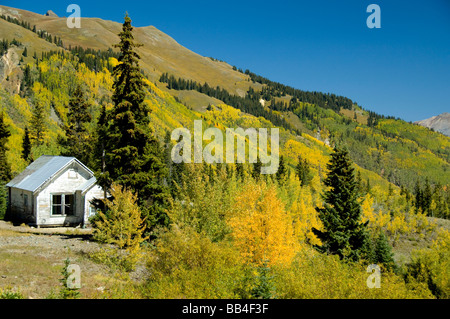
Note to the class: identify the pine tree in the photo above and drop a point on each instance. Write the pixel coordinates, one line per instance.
(77, 141)
(368, 188)
(359, 184)
(383, 252)
(418, 196)
(5, 168)
(26, 146)
(133, 157)
(256, 171)
(303, 171)
(100, 139)
(38, 124)
(282, 171)
(426, 197)
(344, 234)
(264, 288)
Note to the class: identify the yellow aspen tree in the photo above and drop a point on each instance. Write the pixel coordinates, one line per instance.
(261, 229)
(305, 218)
(367, 210)
(122, 225)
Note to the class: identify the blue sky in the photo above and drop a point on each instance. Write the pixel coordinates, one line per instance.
(402, 69)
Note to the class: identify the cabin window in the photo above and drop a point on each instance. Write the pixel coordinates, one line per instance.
(92, 211)
(25, 200)
(63, 204)
(69, 204)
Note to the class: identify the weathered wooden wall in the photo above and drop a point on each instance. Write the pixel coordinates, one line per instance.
(63, 183)
(21, 205)
(96, 192)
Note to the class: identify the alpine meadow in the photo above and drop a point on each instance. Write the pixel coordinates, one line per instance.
(349, 190)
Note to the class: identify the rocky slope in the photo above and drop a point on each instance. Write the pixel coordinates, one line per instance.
(440, 123)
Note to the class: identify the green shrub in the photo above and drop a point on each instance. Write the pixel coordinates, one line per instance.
(186, 264)
(8, 293)
(432, 267)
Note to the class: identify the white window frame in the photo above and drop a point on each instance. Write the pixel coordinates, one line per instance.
(63, 204)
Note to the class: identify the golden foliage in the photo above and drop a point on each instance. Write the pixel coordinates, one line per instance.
(186, 264)
(314, 275)
(122, 225)
(432, 266)
(305, 218)
(262, 229)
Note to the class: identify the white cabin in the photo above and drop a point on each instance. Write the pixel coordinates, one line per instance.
(53, 191)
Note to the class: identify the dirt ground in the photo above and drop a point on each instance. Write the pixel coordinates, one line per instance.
(31, 261)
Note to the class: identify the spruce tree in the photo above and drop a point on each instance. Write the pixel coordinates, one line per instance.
(383, 252)
(343, 232)
(368, 188)
(256, 171)
(78, 142)
(426, 197)
(303, 171)
(26, 146)
(282, 171)
(418, 196)
(264, 287)
(5, 168)
(38, 124)
(133, 156)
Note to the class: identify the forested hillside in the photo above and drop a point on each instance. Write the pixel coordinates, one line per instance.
(253, 235)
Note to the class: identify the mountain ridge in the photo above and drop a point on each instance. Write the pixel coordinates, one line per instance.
(161, 54)
(439, 123)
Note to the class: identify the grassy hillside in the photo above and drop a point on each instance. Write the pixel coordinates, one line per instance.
(160, 54)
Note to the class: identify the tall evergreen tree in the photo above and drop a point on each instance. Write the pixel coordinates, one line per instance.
(256, 171)
(426, 197)
(78, 141)
(344, 234)
(26, 146)
(38, 124)
(418, 196)
(383, 252)
(303, 171)
(5, 168)
(100, 139)
(282, 171)
(133, 156)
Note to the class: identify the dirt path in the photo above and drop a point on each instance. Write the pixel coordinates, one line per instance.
(31, 260)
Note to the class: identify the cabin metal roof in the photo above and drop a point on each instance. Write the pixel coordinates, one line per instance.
(91, 182)
(42, 170)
